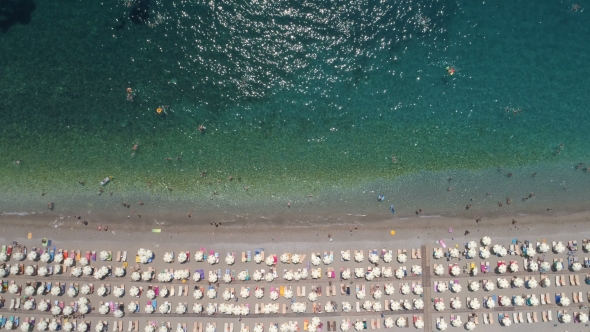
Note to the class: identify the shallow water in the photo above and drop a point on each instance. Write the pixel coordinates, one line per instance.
(298, 100)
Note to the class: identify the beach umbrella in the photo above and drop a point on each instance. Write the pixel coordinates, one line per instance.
(13, 288)
(457, 322)
(439, 306)
(543, 247)
(518, 300)
(533, 266)
(389, 289)
(315, 260)
(198, 294)
(270, 261)
(269, 277)
(101, 291)
(502, 268)
(400, 273)
(359, 272)
(417, 269)
(163, 309)
(582, 317)
(103, 309)
(32, 256)
(43, 306)
(180, 309)
(53, 326)
(454, 253)
(182, 257)
(149, 328)
(387, 272)
(104, 255)
(72, 292)
(545, 266)
(438, 254)
(229, 260)
(564, 301)
(418, 290)
(486, 241)
(438, 270)
(226, 295)
(394, 305)
(566, 318)
(14, 269)
(328, 260)
(245, 292)
(545, 282)
(132, 307)
(211, 260)
(506, 321)
(149, 309)
(400, 322)
(329, 307)
(259, 293)
(68, 326)
(284, 258)
(374, 258)
(489, 286)
(484, 253)
(41, 326)
(257, 275)
(199, 256)
(496, 248)
(29, 270)
(41, 289)
(82, 327)
(69, 262)
(227, 278)
(378, 294)
(99, 327)
(360, 294)
(358, 256)
(134, 291)
(168, 258)
(345, 255)
(3, 272)
(83, 261)
(405, 289)
(166, 277)
(387, 257)
(296, 259)
(243, 275)
(45, 257)
(68, 310)
(288, 294)
(456, 288)
(30, 291)
(118, 313)
(213, 277)
(42, 271)
(211, 293)
(164, 292)
(471, 245)
(163, 328)
(273, 295)
(517, 282)
(474, 286)
(85, 289)
(513, 267)
(19, 256)
(532, 283)
(315, 273)
(55, 310)
(345, 274)
(57, 268)
(119, 271)
(288, 275)
(558, 247)
(150, 294)
(257, 328)
(503, 252)
(312, 297)
(490, 303)
(474, 304)
(346, 307)
(197, 308)
(77, 271)
(83, 309)
(418, 304)
(146, 276)
(455, 270)
(29, 304)
(388, 322)
(181, 274)
(456, 304)
(358, 326)
(304, 274)
(534, 301)
(369, 276)
(504, 301)
(576, 267)
(471, 253)
(55, 291)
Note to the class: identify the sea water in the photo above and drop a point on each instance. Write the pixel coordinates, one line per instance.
(321, 104)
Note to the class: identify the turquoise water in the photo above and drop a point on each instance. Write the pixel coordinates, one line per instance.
(302, 101)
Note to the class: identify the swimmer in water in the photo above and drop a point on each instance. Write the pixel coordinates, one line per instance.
(450, 70)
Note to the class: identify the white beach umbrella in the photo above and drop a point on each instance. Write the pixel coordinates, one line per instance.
(4, 272)
(270, 261)
(514, 267)
(456, 288)
(503, 252)
(29, 304)
(211, 293)
(119, 271)
(518, 300)
(389, 289)
(182, 257)
(163, 309)
(454, 253)
(72, 292)
(315, 274)
(149, 309)
(576, 267)
(227, 278)
(274, 295)
(13, 288)
(226, 295)
(104, 255)
(166, 277)
(149, 328)
(134, 291)
(284, 258)
(471, 253)
(388, 322)
(14, 269)
(99, 327)
(68, 326)
(163, 328)
(43, 271)
(545, 266)
(132, 307)
(456, 303)
(439, 306)
(394, 305)
(68, 310)
(486, 241)
(55, 291)
(18, 256)
(101, 291)
(587, 246)
(360, 294)
(534, 301)
(83, 261)
(438, 254)
(533, 266)
(69, 262)
(471, 245)
(57, 268)
(455, 270)
(211, 260)
(505, 301)
(83, 309)
(564, 301)
(565, 318)
(150, 294)
(400, 322)
(490, 303)
(387, 272)
(359, 272)
(559, 247)
(502, 268)
(197, 308)
(42, 326)
(489, 286)
(582, 317)
(24, 326)
(418, 289)
(474, 286)
(245, 292)
(198, 294)
(315, 260)
(545, 282)
(417, 269)
(29, 270)
(103, 309)
(296, 259)
(312, 297)
(32, 256)
(288, 275)
(288, 294)
(345, 255)
(517, 282)
(30, 291)
(269, 277)
(377, 294)
(243, 275)
(147, 276)
(373, 258)
(85, 289)
(543, 248)
(229, 260)
(304, 274)
(180, 309)
(257, 276)
(418, 304)
(399, 273)
(82, 327)
(532, 283)
(164, 292)
(53, 326)
(45, 257)
(168, 258)
(358, 256)
(474, 304)
(387, 257)
(43, 306)
(506, 321)
(369, 276)
(118, 313)
(212, 277)
(438, 270)
(484, 253)
(346, 307)
(358, 326)
(77, 271)
(405, 289)
(327, 260)
(259, 293)
(199, 256)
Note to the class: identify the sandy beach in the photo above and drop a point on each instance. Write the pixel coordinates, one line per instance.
(419, 233)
